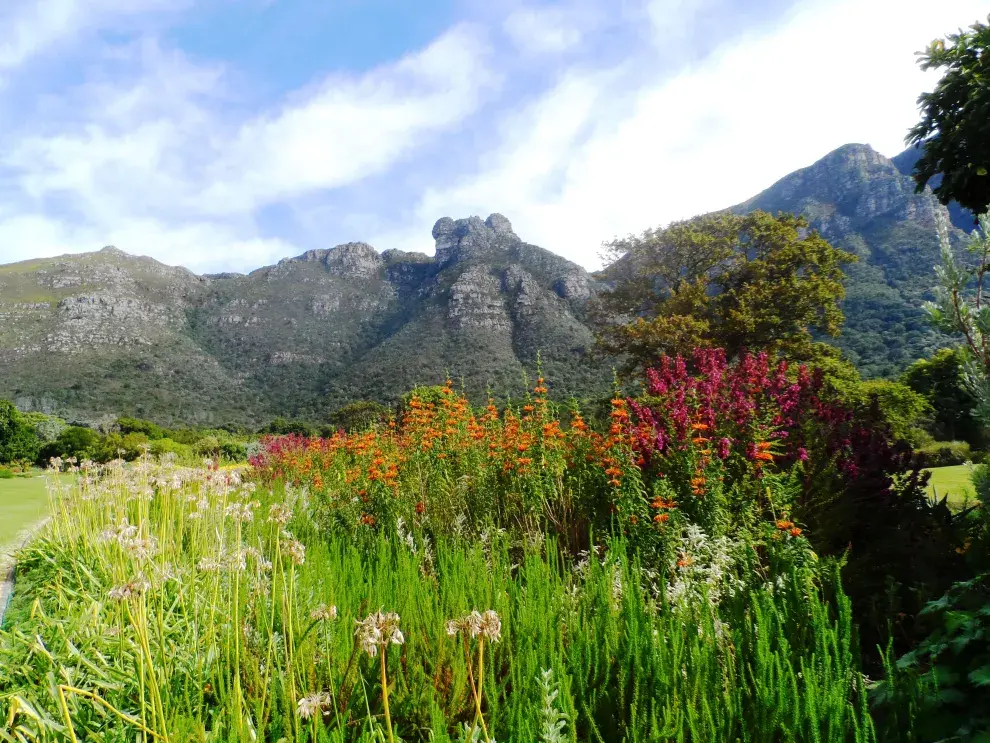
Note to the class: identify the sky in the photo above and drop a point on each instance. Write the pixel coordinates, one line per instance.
(224, 135)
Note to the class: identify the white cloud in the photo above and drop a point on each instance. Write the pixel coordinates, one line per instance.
(31, 26)
(542, 30)
(632, 125)
(715, 134)
(155, 164)
(346, 130)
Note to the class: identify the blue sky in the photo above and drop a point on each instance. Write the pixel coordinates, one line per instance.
(227, 134)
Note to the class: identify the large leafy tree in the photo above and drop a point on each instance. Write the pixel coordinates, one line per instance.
(941, 381)
(753, 281)
(954, 130)
(17, 437)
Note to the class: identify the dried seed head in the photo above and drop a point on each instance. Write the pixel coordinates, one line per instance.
(378, 630)
(130, 589)
(313, 704)
(279, 514)
(296, 550)
(323, 613)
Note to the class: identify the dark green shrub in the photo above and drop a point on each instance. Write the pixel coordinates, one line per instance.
(949, 453)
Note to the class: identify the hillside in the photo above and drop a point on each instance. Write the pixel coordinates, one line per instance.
(89, 333)
(865, 203)
(106, 331)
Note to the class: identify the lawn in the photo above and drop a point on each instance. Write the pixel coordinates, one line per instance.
(953, 482)
(23, 501)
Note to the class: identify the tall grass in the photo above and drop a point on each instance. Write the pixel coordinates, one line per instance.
(185, 605)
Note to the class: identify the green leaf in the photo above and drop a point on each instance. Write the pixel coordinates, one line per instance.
(981, 676)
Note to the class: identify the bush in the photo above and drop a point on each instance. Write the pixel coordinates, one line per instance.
(74, 441)
(949, 453)
(6, 474)
(163, 447)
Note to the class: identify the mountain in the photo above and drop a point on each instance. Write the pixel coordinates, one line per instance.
(103, 332)
(106, 331)
(866, 203)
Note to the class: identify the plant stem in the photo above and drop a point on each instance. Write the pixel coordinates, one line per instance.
(388, 716)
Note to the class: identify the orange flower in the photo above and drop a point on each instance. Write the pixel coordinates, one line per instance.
(764, 456)
(662, 518)
(784, 525)
(795, 532)
(699, 426)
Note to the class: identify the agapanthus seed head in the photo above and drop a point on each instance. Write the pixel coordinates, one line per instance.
(128, 590)
(295, 550)
(279, 514)
(377, 630)
(313, 704)
(323, 613)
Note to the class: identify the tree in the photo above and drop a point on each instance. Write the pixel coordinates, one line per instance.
(359, 416)
(941, 382)
(17, 437)
(752, 281)
(965, 312)
(955, 127)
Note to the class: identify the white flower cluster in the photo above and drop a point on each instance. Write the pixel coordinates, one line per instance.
(704, 569)
(475, 624)
(378, 630)
(128, 590)
(313, 704)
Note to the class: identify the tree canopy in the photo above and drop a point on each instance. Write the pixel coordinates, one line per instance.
(954, 130)
(753, 281)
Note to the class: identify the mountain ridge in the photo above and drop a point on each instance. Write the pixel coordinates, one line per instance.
(317, 330)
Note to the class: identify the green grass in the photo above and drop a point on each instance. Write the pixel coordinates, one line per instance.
(23, 501)
(953, 482)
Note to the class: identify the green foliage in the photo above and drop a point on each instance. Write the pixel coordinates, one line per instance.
(948, 453)
(729, 652)
(960, 307)
(282, 427)
(955, 126)
(18, 439)
(74, 441)
(162, 447)
(900, 407)
(735, 282)
(360, 415)
(946, 678)
(6, 474)
(941, 381)
(47, 427)
(151, 430)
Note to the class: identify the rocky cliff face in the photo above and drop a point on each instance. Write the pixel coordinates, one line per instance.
(863, 202)
(297, 338)
(87, 333)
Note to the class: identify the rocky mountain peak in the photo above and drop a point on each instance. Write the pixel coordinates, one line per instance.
(471, 237)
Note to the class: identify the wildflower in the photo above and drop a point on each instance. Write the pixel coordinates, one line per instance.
(279, 514)
(141, 548)
(795, 532)
(128, 590)
(784, 524)
(296, 550)
(240, 511)
(313, 704)
(379, 629)
(662, 518)
(323, 613)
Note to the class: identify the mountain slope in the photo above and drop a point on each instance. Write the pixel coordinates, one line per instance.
(99, 332)
(863, 202)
